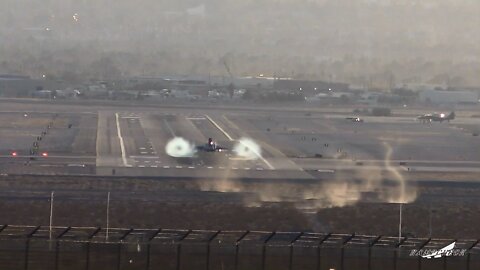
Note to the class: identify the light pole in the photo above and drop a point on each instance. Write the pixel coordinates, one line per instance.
(400, 224)
(430, 215)
(51, 215)
(51, 221)
(108, 215)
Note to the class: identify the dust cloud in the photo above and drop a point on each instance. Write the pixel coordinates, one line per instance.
(343, 188)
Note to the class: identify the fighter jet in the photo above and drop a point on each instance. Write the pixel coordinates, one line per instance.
(244, 148)
(188, 153)
(355, 119)
(181, 148)
(436, 117)
(210, 146)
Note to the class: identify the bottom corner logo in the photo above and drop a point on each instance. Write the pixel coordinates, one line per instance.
(446, 251)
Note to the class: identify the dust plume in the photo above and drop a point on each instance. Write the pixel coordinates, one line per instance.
(377, 183)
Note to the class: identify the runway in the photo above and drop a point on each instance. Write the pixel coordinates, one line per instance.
(132, 141)
(138, 140)
(310, 163)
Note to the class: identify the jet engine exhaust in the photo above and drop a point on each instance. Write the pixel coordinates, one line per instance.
(179, 147)
(248, 149)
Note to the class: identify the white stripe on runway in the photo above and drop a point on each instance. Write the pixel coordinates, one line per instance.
(122, 145)
(231, 139)
(169, 128)
(219, 128)
(154, 157)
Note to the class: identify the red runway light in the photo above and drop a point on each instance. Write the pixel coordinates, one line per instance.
(44, 154)
(14, 154)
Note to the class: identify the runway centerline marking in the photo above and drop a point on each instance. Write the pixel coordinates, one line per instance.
(122, 145)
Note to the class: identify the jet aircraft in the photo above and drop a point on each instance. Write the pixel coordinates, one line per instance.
(355, 119)
(436, 117)
(211, 146)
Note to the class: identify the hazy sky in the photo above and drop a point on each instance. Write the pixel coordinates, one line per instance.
(349, 40)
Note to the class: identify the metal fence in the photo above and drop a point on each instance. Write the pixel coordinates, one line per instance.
(72, 248)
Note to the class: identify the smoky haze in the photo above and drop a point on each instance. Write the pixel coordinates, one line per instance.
(354, 41)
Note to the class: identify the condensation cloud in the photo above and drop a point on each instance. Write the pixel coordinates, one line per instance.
(179, 147)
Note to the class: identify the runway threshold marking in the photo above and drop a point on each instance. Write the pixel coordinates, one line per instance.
(231, 139)
(122, 145)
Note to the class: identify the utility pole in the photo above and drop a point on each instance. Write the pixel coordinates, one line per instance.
(400, 224)
(51, 215)
(108, 215)
(51, 221)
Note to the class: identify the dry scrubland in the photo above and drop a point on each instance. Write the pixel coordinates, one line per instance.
(138, 203)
